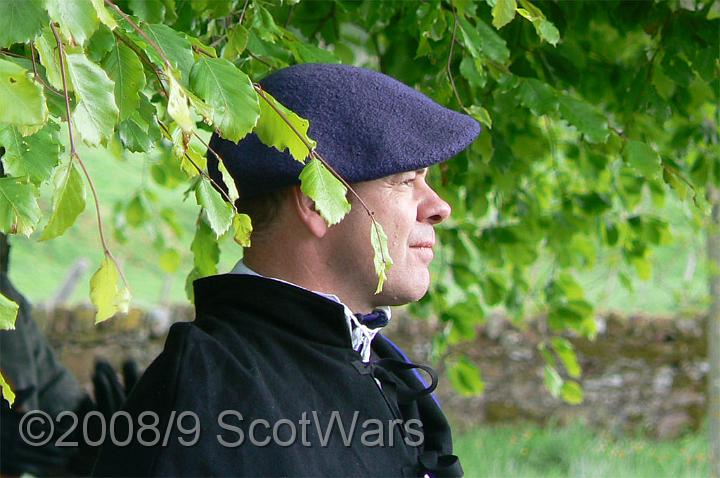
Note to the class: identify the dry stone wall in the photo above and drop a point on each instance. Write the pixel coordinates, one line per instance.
(640, 374)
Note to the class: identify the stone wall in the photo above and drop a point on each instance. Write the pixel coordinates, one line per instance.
(640, 374)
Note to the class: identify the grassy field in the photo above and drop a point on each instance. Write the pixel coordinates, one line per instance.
(576, 451)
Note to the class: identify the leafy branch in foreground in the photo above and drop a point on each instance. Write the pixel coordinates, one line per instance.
(106, 292)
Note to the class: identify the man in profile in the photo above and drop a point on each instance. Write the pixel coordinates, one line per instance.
(283, 371)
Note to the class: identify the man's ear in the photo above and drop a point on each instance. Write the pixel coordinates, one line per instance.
(305, 208)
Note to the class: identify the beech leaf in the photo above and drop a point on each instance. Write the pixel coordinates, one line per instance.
(382, 258)
(643, 158)
(107, 291)
(33, 156)
(76, 20)
(19, 210)
(205, 249)
(8, 313)
(273, 131)
(49, 54)
(319, 184)
(174, 45)
(96, 112)
(217, 212)
(230, 94)
(242, 226)
(68, 201)
(22, 101)
(178, 108)
(20, 20)
(124, 67)
(6, 390)
(503, 12)
(585, 118)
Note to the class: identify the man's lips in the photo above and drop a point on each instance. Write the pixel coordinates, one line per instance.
(428, 244)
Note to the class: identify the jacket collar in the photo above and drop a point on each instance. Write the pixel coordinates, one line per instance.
(254, 301)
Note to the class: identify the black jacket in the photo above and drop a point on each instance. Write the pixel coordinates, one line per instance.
(260, 349)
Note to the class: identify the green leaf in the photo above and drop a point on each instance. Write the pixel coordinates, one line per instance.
(178, 108)
(21, 20)
(383, 261)
(273, 131)
(103, 14)
(566, 352)
(319, 184)
(205, 249)
(124, 67)
(152, 11)
(217, 212)
(50, 58)
(571, 392)
(22, 102)
(229, 182)
(481, 114)
(540, 98)
(503, 12)
(585, 118)
(230, 94)
(19, 211)
(472, 70)
(107, 291)
(307, 53)
(466, 379)
(7, 390)
(643, 158)
(68, 201)
(548, 32)
(76, 20)
(140, 132)
(33, 156)
(170, 261)
(482, 41)
(8, 313)
(237, 41)
(136, 212)
(553, 381)
(96, 112)
(494, 288)
(176, 47)
(543, 27)
(242, 226)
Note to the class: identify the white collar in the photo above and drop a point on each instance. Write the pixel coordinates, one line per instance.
(361, 335)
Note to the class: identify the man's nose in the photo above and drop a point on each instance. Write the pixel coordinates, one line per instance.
(433, 209)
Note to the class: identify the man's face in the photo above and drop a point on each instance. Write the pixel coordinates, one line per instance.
(407, 208)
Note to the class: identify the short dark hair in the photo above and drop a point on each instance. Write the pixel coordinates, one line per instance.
(263, 209)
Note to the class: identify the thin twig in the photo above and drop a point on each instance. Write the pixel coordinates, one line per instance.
(140, 32)
(39, 78)
(449, 71)
(242, 13)
(14, 55)
(313, 153)
(143, 58)
(200, 50)
(75, 157)
(252, 55)
(201, 171)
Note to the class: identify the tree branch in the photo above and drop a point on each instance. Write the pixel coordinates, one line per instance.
(313, 153)
(140, 32)
(75, 157)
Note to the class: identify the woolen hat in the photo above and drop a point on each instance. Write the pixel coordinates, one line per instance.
(367, 126)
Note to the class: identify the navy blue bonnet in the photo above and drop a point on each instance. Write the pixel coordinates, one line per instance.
(367, 125)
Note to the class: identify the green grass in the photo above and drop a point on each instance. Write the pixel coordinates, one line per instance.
(529, 451)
